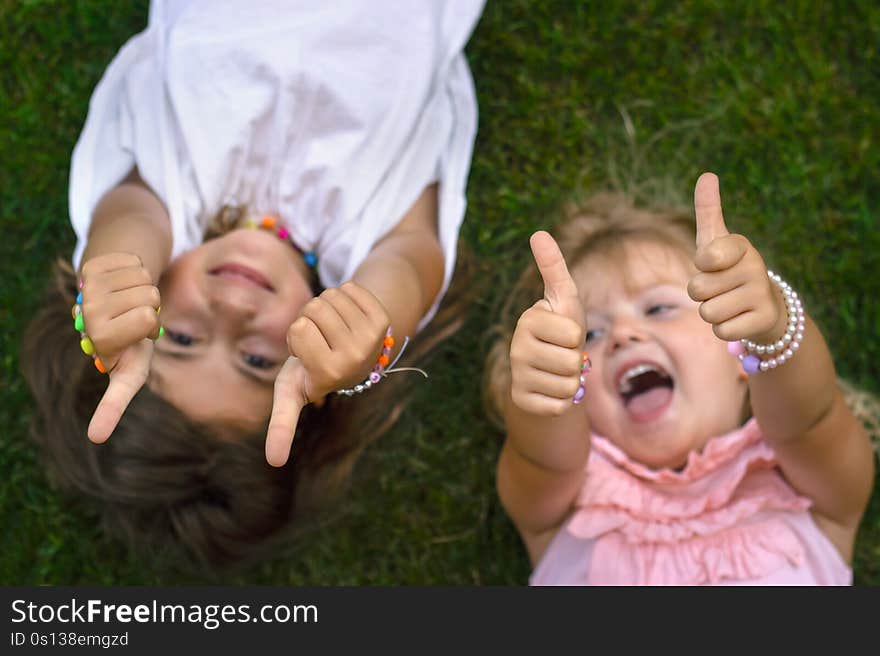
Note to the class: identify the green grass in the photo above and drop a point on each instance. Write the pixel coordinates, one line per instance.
(779, 99)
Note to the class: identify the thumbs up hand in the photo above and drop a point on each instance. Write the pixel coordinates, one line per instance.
(333, 344)
(547, 345)
(732, 286)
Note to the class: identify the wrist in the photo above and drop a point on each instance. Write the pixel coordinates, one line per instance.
(779, 327)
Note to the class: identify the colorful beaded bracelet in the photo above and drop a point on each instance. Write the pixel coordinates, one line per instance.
(784, 348)
(379, 369)
(84, 342)
(586, 365)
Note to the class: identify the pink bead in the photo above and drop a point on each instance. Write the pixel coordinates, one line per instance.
(375, 378)
(735, 348)
(80, 283)
(282, 233)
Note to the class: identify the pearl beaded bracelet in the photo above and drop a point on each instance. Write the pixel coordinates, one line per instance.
(379, 369)
(784, 348)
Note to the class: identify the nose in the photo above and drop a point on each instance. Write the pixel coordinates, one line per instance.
(625, 331)
(233, 303)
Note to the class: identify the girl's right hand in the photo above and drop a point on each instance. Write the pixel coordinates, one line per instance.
(120, 316)
(547, 346)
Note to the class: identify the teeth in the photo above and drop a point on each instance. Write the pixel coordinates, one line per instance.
(632, 372)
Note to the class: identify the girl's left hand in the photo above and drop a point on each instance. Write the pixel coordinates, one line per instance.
(333, 344)
(732, 286)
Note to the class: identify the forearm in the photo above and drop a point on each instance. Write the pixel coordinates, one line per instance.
(131, 219)
(404, 270)
(789, 400)
(541, 468)
(394, 281)
(559, 444)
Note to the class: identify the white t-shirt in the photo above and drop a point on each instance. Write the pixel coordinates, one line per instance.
(332, 115)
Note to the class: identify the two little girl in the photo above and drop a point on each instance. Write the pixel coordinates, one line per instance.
(263, 220)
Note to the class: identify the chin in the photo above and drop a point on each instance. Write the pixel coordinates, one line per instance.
(660, 447)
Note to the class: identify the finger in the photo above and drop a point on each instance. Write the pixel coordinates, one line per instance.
(722, 253)
(118, 303)
(727, 306)
(541, 405)
(707, 207)
(742, 326)
(368, 303)
(552, 359)
(355, 319)
(305, 341)
(555, 329)
(559, 287)
(328, 322)
(128, 328)
(114, 281)
(551, 385)
(109, 262)
(287, 405)
(704, 286)
(126, 380)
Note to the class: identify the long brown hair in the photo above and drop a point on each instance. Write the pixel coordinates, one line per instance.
(167, 484)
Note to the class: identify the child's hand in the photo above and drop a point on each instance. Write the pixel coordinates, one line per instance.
(119, 310)
(733, 289)
(547, 347)
(333, 344)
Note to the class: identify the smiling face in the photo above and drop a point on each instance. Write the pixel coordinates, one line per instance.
(226, 308)
(661, 383)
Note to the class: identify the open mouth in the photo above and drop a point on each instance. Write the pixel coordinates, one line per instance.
(241, 272)
(646, 389)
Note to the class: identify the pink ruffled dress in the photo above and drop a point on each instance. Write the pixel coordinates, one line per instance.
(727, 518)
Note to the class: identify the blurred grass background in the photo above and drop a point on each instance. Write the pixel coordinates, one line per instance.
(779, 99)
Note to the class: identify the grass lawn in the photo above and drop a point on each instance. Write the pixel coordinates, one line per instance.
(779, 99)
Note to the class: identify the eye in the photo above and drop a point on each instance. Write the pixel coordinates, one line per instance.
(179, 338)
(659, 308)
(257, 361)
(593, 334)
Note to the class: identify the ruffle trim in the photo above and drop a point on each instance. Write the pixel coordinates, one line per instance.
(720, 518)
(743, 553)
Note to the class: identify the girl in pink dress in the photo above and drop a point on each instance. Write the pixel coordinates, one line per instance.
(698, 436)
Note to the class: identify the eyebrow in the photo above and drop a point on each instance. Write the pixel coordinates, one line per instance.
(240, 368)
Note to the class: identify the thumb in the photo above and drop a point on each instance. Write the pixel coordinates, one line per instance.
(126, 379)
(707, 207)
(287, 404)
(560, 290)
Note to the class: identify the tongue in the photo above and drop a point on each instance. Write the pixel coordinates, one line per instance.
(643, 406)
